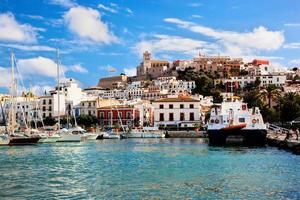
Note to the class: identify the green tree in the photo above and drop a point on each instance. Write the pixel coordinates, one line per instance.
(87, 120)
(252, 98)
(290, 106)
(271, 93)
(49, 121)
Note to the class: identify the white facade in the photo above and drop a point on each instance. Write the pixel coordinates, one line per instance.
(265, 80)
(180, 112)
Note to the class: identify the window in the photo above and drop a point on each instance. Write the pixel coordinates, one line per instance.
(90, 112)
(161, 106)
(50, 101)
(241, 120)
(181, 106)
(181, 116)
(50, 108)
(128, 115)
(44, 108)
(110, 115)
(101, 115)
(50, 115)
(161, 117)
(44, 115)
(171, 117)
(44, 102)
(170, 106)
(191, 105)
(192, 118)
(120, 115)
(89, 104)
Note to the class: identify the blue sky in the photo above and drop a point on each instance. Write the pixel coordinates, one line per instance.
(94, 36)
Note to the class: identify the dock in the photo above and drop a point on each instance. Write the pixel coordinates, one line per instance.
(277, 137)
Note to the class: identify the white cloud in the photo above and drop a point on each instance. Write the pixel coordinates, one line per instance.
(197, 16)
(110, 69)
(294, 45)
(195, 4)
(292, 24)
(5, 77)
(11, 30)
(91, 28)
(295, 62)
(40, 66)
(41, 89)
(29, 47)
(167, 43)
(130, 71)
(38, 17)
(129, 10)
(107, 8)
(78, 68)
(63, 3)
(260, 39)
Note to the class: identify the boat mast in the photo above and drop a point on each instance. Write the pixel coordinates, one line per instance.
(12, 91)
(58, 89)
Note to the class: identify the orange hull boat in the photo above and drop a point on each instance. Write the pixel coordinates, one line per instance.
(234, 127)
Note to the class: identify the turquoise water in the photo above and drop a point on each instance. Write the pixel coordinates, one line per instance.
(147, 169)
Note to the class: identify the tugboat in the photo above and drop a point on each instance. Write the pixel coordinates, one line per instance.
(232, 123)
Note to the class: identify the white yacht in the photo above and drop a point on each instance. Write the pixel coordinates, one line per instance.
(48, 136)
(111, 134)
(233, 122)
(145, 132)
(69, 136)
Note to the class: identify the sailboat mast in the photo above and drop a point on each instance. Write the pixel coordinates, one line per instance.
(58, 89)
(13, 115)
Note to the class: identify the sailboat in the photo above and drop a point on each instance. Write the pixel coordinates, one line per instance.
(16, 137)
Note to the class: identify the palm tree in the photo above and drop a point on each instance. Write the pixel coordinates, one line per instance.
(290, 106)
(271, 93)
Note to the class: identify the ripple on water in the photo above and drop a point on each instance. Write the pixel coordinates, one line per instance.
(147, 169)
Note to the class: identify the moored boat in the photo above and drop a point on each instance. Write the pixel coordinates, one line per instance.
(145, 132)
(233, 123)
(22, 139)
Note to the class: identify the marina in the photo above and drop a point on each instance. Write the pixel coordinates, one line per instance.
(166, 168)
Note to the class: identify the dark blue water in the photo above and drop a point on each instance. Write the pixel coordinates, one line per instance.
(147, 169)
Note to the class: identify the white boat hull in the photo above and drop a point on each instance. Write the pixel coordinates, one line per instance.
(50, 139)
(69, 138)
(91, 136)
(111, 136)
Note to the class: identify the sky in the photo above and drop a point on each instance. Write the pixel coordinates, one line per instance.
(97, 37)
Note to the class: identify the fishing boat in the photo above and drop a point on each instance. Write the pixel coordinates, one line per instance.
(233, 123)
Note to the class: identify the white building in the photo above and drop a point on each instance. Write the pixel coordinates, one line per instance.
(180, 111)
(265, 80)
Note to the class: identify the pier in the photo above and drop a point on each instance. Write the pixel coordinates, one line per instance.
(277, 137)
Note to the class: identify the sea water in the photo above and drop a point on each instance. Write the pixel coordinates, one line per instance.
(147, 169)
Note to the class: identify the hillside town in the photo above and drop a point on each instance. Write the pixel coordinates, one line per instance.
(177, 94)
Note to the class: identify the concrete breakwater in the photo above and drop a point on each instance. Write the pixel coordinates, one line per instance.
(280, 141)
